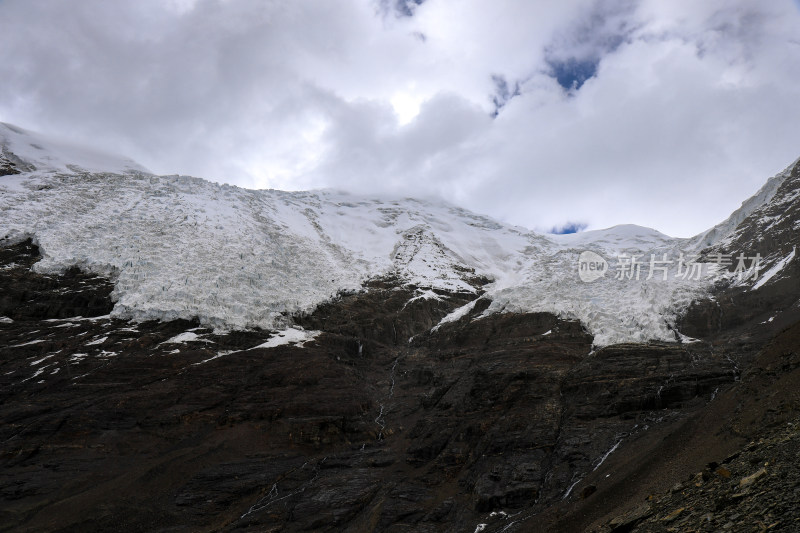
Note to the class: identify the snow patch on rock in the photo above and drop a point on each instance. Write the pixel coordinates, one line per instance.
(296, 336)
(777, 267)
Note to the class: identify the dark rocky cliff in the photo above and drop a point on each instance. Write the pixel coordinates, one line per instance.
(508, 420)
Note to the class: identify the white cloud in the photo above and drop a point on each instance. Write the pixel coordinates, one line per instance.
(692, 106)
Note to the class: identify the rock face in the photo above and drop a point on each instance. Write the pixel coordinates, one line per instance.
(755, 486)
(378, 423)
(29, 296)
(7, 167)
(9, 162)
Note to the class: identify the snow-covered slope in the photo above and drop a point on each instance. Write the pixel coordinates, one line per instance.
(33, 151)
(617, 238)
(180, 247)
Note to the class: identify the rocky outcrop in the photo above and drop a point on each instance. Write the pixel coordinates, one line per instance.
(27, 295)
(754, 489)
(7, 168)
(11, 164)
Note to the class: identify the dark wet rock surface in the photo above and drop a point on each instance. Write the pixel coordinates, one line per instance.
(665, 477)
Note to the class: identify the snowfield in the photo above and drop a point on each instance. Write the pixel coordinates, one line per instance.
(182, 247)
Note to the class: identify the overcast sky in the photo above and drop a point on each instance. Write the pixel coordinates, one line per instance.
(662, 113)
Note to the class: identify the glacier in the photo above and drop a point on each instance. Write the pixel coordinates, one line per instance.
(234, 258)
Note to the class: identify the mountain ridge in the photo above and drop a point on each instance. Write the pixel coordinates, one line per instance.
(295, 250)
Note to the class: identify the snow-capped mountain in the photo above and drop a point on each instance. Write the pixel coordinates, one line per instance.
(434, 369)
(183, 247)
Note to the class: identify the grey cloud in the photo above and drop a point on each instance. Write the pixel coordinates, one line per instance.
(690, 107)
